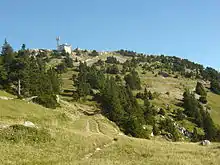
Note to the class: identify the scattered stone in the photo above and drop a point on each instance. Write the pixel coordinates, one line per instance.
(120, 133)
(29, 98)
(115, 139)
(58, 98)
(205, 142)
(152, 134)
(29, 124)
(98, 149)
(3, 126)
(5, 98)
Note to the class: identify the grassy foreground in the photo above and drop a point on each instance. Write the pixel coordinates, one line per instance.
(76, 138)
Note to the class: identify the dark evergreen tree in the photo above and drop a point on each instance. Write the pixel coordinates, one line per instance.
(169, 127)
(68, 61)
(7, 53)
(83, 87)
(132, 80)
(23, 47)
(61, 68)
(112, 69)
(112, 60)
(203, 99)
(215, 86)
(209, 127)
(3, 77)
(200, 89)
(112, 107)
(94, 53)
(195, 136)
(148, 112)
(179, 114)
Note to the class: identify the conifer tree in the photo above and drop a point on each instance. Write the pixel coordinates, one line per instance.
(200, 89)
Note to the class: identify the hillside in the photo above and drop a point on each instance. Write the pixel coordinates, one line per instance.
(75, 128)
(82, 139)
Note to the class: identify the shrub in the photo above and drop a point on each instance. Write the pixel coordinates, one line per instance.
(168, 126)
(118, 78)
(112, 69)
(180, 115)
(140, 95)
(20, 133)
(112, 60)
(156, 130)
(203, 99)
(94, 53)
(99, 63)
(162, 112)
(49, 101)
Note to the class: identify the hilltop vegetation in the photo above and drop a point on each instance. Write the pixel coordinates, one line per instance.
(89, 99)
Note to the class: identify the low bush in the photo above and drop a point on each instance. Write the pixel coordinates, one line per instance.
(19, 133)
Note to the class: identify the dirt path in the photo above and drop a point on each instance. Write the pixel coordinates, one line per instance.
(97, 127)
(89, 155)
(87, 126)
(88, 130)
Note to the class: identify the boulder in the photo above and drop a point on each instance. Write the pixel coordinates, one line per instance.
(152, 134)
(5, 98)
(29, 124)
(205, 142)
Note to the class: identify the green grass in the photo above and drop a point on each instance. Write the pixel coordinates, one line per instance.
(76, 135)
(3, 93)
(136, 151)
(214, 102)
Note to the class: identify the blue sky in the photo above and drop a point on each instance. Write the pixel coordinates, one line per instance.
(184, 28)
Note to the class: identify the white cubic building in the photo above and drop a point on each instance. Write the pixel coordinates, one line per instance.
(63, 47)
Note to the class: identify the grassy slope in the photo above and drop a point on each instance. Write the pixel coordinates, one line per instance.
(158, 84)
(77, 135)
(214, 102)
(5, 94)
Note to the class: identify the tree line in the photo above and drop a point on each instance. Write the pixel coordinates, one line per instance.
(26, 76)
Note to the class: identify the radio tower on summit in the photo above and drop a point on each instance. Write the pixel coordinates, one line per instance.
(58, 40)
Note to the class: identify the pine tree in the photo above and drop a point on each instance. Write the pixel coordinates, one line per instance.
(215, 86)
(132, 80)
(200, 89)
(209, 127)
(111, 102)
(195, 136)
(7, 53)
(148, 112)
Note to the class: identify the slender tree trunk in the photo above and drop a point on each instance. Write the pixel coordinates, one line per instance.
(19, 87)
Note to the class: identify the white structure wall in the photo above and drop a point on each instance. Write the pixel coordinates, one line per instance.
(65, 47)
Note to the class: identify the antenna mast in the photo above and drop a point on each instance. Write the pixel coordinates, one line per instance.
(58, 39)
